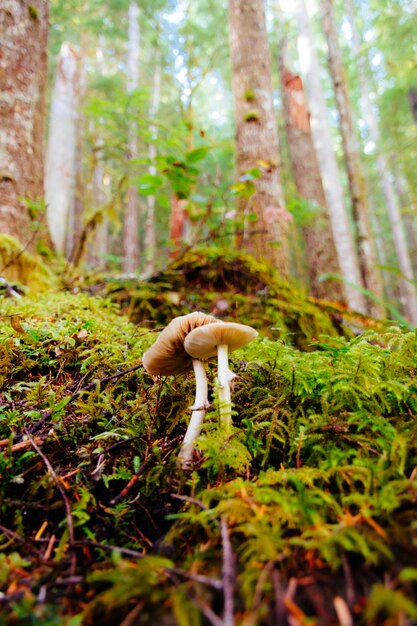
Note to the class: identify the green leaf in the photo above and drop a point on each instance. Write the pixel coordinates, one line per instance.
(196, 155)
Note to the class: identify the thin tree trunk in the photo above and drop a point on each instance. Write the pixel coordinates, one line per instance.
(412, 98)
(177, 224)
(330, 175)
(150, 238)
(366, 246)
(60, 156)
(257, 137)
(23, 67)
(408, 289)
(76, 213)
(318, 238)
(131, 216)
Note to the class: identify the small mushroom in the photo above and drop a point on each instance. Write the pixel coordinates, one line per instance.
(205, 341)
(167, 356)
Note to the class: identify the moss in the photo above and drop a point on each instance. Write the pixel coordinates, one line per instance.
(316, 481)
(234, 286)
(19, 265)
(33, 12)
(249, 95)
(251, 116)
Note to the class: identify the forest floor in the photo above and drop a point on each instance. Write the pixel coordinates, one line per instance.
(303, 514)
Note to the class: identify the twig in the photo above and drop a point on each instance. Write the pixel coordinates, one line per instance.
(228, 575)
(9, 289)
(140, 471)
(208, 613)
(132, 617)
(350, 585)
(102, 381)
(191, 500)
(199, 578)
(4, 443)
(57, 481)
(116, 445)
(103, 546)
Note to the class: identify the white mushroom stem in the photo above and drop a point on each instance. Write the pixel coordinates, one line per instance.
(198, 414)
(225, 377)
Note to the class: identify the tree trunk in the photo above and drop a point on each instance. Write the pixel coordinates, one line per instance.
(408, 290)
(318, 238)
(23, 67)
(412, 98)
(257, 137)
(177, 224)
(366, 246)
(77, 204)
(150, 238)
(60, 155)
(330, 176)
(131, 217)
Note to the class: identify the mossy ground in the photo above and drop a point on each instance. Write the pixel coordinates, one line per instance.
(305, 514)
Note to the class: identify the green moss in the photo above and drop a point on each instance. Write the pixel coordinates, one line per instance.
(232, 285)
(22, 267)
(249, 95)
(33, 12)
(251, 116)
(315, 482)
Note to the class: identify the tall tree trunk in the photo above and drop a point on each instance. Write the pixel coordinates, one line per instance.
(178, 224)
(150, 238)
(318, 237)
(365, 242)
(330, 176)
(23, 67)
(412, 98)
(77, 208)
(408, 289)
(257, 137)
(60, 156)
(131, 216)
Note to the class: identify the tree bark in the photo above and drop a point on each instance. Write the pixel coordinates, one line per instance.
(412, 98)
(408, 289)
(23, 67)
(257, 137)
(131, 217)
(330, 176)
(318, 238)
(365, 242)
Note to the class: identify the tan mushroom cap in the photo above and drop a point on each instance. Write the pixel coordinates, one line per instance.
(202, 342)
(167, 355)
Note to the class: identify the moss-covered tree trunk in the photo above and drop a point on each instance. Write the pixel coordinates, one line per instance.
(257, 138)
(365, 243)
(320, 247)
(23, 64)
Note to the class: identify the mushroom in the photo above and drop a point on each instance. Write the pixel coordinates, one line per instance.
(167, 356)
(205, 341)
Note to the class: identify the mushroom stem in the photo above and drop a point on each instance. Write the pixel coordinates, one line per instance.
(197, 416)
(224, 376)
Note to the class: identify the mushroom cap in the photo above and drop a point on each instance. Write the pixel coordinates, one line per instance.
(167, 355)
(202, 342)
